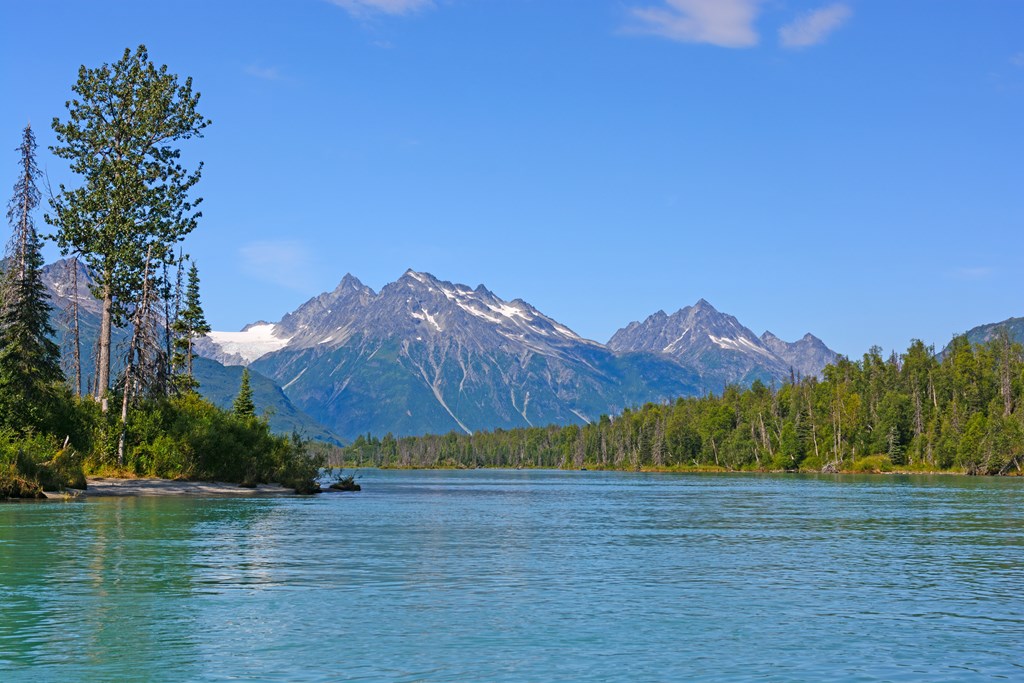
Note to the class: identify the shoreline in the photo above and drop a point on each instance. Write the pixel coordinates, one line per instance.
(116, 487)
(696, 470)
(151, 487)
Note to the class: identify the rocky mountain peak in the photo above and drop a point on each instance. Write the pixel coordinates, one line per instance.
(806, 357)
(350, 283)
(703, 306)
(59, 278)
(723, 349)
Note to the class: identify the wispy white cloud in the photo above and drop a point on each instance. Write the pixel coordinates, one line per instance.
(362, 8)
(812, 28)
(1018, 60)
(725, 23)
(287, 263)
(267, 73)
(973, 273)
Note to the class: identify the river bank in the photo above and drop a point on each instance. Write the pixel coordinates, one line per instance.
(114, 487)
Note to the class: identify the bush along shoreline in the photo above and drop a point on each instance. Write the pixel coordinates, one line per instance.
(183, 437)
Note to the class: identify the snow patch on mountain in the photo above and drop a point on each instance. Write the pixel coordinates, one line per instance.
(255, 341)
(739, 344)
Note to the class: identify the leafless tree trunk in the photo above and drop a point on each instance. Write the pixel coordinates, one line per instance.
(72, 340)
(140, 324)
(103, 356)
(1005, 379)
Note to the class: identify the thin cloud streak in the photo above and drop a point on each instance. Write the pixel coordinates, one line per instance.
(287, 263)
(268, 73)
(973, 273)
(812, 28)
(364, 8)
(725, 23)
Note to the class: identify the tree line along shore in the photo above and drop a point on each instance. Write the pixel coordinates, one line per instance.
(958, 411)
(126, 219)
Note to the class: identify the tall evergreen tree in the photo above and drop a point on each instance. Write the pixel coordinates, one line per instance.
(244, 405)
(29, 359)
(189, 326)
(135, 192)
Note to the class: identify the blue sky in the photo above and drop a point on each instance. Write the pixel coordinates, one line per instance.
(854, 168)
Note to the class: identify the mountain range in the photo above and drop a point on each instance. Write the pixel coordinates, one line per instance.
(424, 355)
(427, 355)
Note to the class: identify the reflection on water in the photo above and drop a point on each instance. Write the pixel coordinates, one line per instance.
(519, 575)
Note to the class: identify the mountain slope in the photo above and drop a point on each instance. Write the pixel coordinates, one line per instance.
(219, 385)
(986, 333)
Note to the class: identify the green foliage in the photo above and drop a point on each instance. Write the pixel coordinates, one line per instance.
(219, 384)
(186, 436)
(872, 463)
(32, 463)
(299, 468)
(912, 411)
(30, 373)
(189, 325)
(179, 437)
(243, 406)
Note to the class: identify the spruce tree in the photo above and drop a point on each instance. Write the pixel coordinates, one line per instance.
(29, 359)
(244, 406)
(189, 326)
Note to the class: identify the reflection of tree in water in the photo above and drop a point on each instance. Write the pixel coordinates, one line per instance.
(113, 583)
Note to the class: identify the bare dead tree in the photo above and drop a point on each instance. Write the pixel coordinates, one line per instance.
(72, 335)
(144, 367)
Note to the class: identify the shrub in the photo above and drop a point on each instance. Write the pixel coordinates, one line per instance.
(812, 463)
(872, 463)
(14, 485)
(187, 436)
(33, 463)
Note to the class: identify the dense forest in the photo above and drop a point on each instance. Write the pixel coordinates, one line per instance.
(961, 410)
(125, 219)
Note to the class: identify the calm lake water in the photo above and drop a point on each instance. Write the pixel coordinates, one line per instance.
(525, 576)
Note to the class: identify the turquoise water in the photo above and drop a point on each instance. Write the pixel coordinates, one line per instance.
(525, 576)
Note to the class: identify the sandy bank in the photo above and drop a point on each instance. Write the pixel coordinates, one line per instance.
(102, 487)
